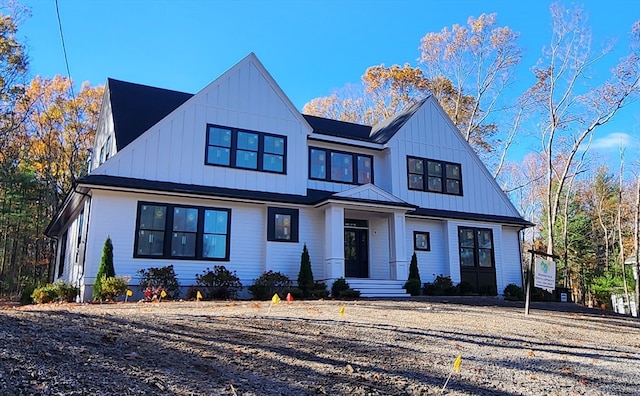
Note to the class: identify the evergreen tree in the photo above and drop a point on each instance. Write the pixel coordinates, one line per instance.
(105, 270)
(413, 285)
(414, 273)
(305, 276)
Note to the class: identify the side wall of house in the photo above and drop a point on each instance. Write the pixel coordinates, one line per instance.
(435, 261)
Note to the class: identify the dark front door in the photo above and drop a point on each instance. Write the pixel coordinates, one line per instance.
(477, 263)
(356, 253)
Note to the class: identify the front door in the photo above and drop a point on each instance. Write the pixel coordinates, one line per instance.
(477, 263)
(356, 252)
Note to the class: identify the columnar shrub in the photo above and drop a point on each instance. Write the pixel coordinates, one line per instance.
(413, 284)
(305, 276)
(219, 283)
(154, 280)
(105, 270)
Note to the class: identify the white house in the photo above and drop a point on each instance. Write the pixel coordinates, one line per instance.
(234, 175)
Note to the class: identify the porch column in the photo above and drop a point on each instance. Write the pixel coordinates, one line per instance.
(334, 242)
(398, 247)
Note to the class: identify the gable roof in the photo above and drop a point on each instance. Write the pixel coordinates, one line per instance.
(387, 128)
(136, 108)
(349, 130)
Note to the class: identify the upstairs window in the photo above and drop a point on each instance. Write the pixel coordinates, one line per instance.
(342, 167)
(434, 176)
(242, 149)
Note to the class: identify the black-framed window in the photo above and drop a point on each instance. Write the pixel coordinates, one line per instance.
(340, 166)
(182, 232)
(237, 148)
(282, 224)
(434, 176)
(421, 241)
(62, 254)
(476, 247)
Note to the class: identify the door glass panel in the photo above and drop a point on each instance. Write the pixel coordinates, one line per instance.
(466, 237)
(484, 258)
(484, 239)
(466, 257)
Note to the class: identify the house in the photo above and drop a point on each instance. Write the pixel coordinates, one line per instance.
(234, 175)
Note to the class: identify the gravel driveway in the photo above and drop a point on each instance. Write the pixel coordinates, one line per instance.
(379, 347)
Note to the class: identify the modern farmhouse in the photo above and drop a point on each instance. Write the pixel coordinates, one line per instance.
(234, 175)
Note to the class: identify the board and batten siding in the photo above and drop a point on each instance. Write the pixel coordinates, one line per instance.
(430, 134)
(511, 256)
(173, 150)
(434, 262)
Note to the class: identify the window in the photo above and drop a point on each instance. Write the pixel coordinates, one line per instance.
(440, 177)
(245, 149)
(476, 247)
(62, 254)
(421, 241)
(340, 167)
(107, 148)
(184, 232)
(282, 225)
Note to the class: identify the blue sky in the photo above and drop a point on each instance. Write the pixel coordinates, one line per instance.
(310, 47)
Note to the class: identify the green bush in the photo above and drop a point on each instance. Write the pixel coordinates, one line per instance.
(319, 290)
(513, 292)
(25, 296)
(268, 284)
(341, 289)
(45, 294)
(105, 270)
(305, 276)
(66, 291)
(413, 287)
(154, 280)
(219, 283)
(464, 288)
(488, 290)
(441, 286)
(350, 293)
(113, 287)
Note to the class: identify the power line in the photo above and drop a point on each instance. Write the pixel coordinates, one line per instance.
(64, 50)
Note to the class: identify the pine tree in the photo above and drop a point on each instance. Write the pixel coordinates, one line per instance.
(106, 269)
(414, 273)
(305, 276)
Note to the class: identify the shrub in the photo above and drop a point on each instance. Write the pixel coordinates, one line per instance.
(441, 286)
(341, 289)
(45, 294)
(25, 296)
(413, 287)
(105, 270)
(319, 290)
(513, 292)
(488, 290)
(350, 293)
(66, 291)
(268, 284)
(113, 287)
(219, 283)
(154, 280)
(464, 288)
(305, 276)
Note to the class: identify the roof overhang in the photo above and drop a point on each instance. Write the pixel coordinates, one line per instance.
(450, 214)
(65, 213)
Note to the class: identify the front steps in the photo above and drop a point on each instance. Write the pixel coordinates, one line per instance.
(379, 288)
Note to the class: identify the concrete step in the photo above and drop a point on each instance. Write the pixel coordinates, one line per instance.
(382, 288)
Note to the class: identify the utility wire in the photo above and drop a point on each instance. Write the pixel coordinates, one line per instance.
(64, 49)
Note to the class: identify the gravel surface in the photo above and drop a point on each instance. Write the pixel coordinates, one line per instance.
(307, 348)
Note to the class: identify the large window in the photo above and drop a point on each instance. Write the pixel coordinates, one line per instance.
(337, 166)
(245, 149)
(282, 225)
(434, 176)
(185, 232)
(476, 247)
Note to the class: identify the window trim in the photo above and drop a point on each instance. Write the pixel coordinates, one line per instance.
(476, 247)
(425, 176)
(354, 166)
(271, 223)
(415, 241)
(233, 149)
(168, 230)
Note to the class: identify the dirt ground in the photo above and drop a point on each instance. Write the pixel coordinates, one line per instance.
(378, 347)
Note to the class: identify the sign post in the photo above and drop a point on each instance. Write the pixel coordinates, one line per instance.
(545, 275)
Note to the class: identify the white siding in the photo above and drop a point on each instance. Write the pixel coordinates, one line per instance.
(379, 248)
(434, 262)
(511, 258)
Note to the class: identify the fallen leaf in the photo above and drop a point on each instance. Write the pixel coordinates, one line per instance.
(349, 369)
(530, 353)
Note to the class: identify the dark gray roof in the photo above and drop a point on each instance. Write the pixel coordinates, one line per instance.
(136, 108)
(385, 130)
(349, 130)
(450, 214)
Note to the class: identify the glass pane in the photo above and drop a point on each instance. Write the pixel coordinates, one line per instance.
(215, 221)
(247, 159)
(152, 217)
(274, 145)
(271, 162)
(219, 137)
(218, 156)
(453, 186)
(416, 182)
(484, 258)
(484, 239)
(364, 170)
(342, 167)
(422, 241)
(435, 184)
(415, 166)
(183, 244)
(283, 227)
(466, 257)
(435, 168)
(466, 237)
(453, 171)
(150, 243)
(248, 141)
(318, 164)
(185, 219)
(214, 246)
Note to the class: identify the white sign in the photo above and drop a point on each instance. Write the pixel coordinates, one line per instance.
(545, 274)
